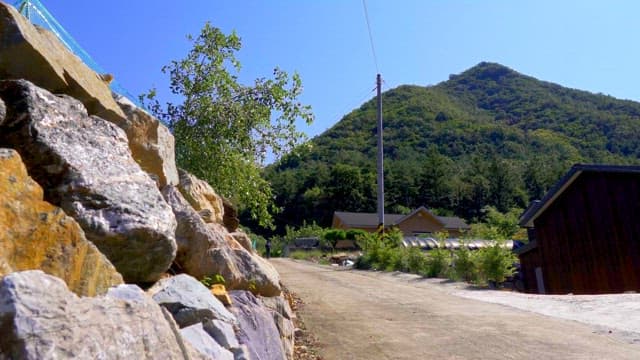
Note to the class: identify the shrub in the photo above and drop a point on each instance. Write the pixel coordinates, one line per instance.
(395, 259)
(363, 262)
(465, 265)
(392, 238)
(415, 260)
(209, 281)
(354, 234)
(437, 263)
(496, 263)
(332, 236)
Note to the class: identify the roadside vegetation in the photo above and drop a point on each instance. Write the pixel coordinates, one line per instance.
(385, 252)
(490, 265)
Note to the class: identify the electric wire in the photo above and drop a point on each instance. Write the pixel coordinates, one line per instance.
(351, 105)
(373, 49)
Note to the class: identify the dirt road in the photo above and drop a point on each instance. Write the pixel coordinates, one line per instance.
(372, 315)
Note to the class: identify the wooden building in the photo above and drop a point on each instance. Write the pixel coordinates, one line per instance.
(419, 222)
(585, 233)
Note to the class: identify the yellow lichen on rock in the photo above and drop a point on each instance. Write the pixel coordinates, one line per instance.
(220, 292)
(38, 235)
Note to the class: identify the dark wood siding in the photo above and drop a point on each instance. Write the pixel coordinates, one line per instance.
(528, 263)
(589, 237)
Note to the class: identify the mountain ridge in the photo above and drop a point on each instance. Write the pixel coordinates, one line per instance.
(483, 137)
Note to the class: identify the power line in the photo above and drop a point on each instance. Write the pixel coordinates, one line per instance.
(351, 105)
(373, 49)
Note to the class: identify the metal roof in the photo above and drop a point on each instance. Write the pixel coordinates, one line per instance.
(370, 220)
(537, 207)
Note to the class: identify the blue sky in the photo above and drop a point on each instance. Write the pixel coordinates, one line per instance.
(589, 45)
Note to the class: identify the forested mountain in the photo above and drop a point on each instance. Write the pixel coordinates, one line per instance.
(488, 136)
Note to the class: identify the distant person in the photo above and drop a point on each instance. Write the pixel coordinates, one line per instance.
(267, 247)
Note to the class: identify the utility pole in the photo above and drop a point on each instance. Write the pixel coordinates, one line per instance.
(380, 157)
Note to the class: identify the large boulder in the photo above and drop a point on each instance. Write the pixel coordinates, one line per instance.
(202, 197)
(35, 54)
(208, 250)
(205, 344)
(189, 301)
(230, 217)
(283, 318)
(84, 164)
(256, 327)
(3, 111)
(244, 240)
(152, 144)
(222, 332)
(38, 235)
(41, 319)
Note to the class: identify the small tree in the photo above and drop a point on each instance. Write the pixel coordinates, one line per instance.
(223, 129)
(437, 262)
(496, 263)
(464, 264)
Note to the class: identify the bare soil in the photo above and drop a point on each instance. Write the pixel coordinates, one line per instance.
(306, 345)
(372, 315)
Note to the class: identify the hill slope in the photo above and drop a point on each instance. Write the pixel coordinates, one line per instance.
(488, 136)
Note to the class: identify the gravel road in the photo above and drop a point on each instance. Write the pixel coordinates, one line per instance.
(374, 315)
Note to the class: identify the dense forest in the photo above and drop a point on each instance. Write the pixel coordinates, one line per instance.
(488, 136)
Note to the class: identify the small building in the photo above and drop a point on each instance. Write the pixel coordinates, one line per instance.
(420, 222)
(584, 235)
(302, 244)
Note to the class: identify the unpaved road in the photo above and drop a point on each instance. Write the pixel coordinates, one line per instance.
(372, 315)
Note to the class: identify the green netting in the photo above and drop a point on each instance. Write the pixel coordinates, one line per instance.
(39, 15)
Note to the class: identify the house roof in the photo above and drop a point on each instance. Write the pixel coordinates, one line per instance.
(418, 210)
(367, 220)
(370, 220)
(537, 207)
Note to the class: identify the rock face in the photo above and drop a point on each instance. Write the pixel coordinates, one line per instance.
(283, 318)
(205, 250)
(41, 319)
(222, 332)
(38, 235)
(32, 53)
(152, 144)
(189, 301)
(230, 217)
(257, 329)
(201, 197)
(243, 239)
(205, 344)
(3, 111)
(85, 167)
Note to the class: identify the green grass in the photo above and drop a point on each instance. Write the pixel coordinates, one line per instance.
(316, 256)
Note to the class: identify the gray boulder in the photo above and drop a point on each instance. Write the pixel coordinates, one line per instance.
(85, 167)
(257, 329)
(41, 319)
(208, 249)
(283, 318)
(189, 301)
(205, 344)
(36, 54)
(3, 111)
(222, 332)
(241, 353)
(152, 144)
(127, 292)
